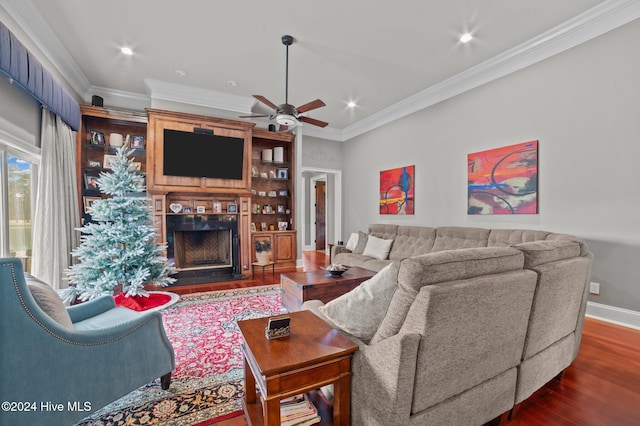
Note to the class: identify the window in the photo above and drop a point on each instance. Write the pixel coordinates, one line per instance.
(17, 194)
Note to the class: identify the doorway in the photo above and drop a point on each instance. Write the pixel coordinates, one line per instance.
(321, 214)
(328, 218)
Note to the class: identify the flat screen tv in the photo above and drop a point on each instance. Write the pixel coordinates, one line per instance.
(202, 155)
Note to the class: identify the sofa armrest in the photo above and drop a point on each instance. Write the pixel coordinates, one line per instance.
(335, 250)
(383, 380)
(90, 308)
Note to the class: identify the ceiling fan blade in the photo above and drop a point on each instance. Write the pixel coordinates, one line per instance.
(253, 116)
(311, 105)
(266, 101)
(313, 121)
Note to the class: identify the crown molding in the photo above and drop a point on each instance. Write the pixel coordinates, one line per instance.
(118, 98)
(329, 133)
(31, 21)
(162, 90)
(596, 21)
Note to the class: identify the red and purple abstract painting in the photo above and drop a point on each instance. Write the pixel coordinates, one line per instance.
(503, 180)
(397, 191)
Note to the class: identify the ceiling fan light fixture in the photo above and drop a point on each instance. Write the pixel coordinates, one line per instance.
(286, 120)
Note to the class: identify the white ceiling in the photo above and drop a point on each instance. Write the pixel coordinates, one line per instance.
(378, 54)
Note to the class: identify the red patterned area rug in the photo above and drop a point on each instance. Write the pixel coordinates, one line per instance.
(207, 384)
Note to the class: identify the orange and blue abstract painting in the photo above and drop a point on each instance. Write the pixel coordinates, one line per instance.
(397, 191)
(503, 180)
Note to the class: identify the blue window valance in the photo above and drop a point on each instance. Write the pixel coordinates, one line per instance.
(22, 66)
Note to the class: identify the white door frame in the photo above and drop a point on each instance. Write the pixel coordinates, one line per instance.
(311, 204)
(336, 218)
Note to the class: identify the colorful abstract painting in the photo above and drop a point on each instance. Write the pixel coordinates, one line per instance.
(397, 190)
(504, 180)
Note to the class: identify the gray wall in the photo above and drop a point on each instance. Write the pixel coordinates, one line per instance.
(319, 154)
(582, 106)
(20, 113)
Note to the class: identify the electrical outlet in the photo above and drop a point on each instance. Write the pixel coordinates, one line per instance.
(594, 288)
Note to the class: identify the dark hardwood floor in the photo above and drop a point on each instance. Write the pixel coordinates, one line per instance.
(600, 388)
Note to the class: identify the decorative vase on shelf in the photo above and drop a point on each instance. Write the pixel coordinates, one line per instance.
(116, 140)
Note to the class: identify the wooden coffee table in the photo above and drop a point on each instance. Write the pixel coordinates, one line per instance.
(299, 287)
(313, 355)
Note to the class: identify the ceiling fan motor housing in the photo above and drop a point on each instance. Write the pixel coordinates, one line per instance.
(287, 115)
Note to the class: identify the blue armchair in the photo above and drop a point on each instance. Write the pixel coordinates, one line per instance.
(58, 367)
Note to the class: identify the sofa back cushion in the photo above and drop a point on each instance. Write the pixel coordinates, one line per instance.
(540, 252)
(562, 280)
(511, 237)
(361, 242)
(412, 241)
(383, 230)
(457, 237)
(584, 250)
(442, 267)
(472, 330)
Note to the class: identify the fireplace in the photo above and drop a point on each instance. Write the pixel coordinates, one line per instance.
(203, 248)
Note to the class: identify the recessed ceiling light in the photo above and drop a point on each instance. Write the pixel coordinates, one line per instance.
(351, 104)
(126, 51)
(232, 83)
(466, 37)
(180, 73)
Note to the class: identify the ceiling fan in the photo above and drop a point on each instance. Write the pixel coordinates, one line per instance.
(287, 115)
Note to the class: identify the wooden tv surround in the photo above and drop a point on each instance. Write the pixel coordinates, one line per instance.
(215, 196)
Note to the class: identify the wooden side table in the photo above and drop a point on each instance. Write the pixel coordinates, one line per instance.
(263, 265)
(313, 355)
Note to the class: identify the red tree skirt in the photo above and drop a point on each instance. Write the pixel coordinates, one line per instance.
(142, 303)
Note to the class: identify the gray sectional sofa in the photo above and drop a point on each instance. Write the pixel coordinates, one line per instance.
(479, 320)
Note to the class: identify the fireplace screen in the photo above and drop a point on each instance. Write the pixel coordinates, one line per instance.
(203, 249)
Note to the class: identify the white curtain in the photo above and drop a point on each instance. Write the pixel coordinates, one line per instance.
(56, 216)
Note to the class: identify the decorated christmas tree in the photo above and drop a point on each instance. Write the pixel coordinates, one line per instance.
(118, 248)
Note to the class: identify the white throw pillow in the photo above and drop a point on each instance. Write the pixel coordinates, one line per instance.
(352, 242)
(377, 247)
(360, 311)
(49, 301)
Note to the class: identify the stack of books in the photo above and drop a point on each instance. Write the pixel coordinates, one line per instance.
(299, 411)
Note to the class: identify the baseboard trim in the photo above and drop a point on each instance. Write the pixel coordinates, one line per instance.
(614, 315)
